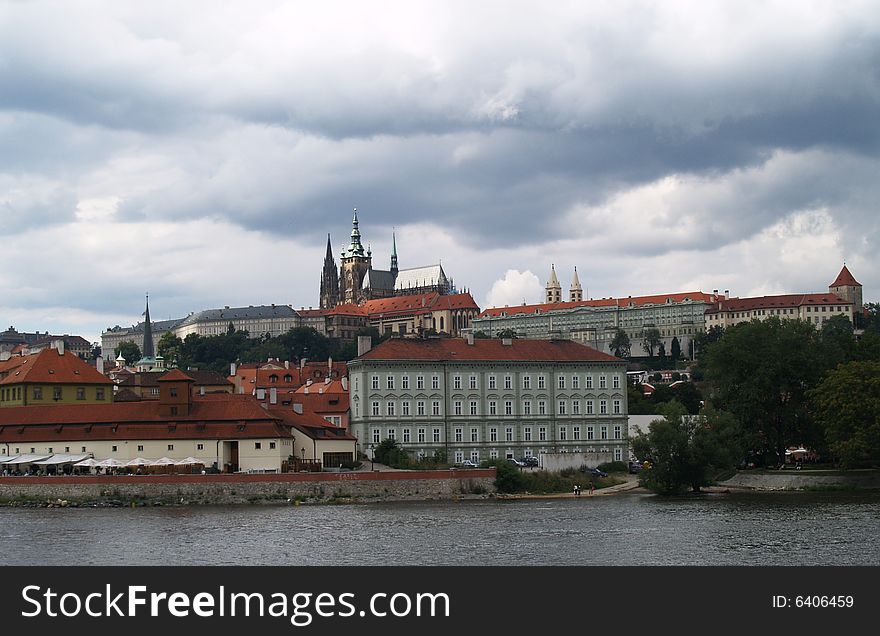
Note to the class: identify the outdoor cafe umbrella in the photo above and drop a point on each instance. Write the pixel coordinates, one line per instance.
(138, 461)
(91, 462)
(189, 461)
(110, 463)
(164, 461)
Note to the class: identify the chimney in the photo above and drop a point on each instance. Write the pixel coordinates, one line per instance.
(309, 382)
(302, 363)
(470, 339)
(231, 368)
(99, 364)
(287, 364)
(727, 293)
(507, 341)
(329, 364)
(365, 343)
(273, 395)
(320, 390)
(344, 383)
(297, 408)
(201, 390)
(306, 389)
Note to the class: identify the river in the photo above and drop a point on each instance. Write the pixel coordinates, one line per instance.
(628, 529)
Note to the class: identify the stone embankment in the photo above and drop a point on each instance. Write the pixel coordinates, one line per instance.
(803, 480)
(246, 489)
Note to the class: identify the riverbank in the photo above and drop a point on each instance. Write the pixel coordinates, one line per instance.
(226, 489)
(801, 480)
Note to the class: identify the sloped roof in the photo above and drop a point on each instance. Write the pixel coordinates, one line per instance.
(635, 301)
(419, 303)
(845, 278)
(378, 279)
(240, 313)
(50, 367)
(485, 349)
(315, 426)
(775, 302)
(420, 277)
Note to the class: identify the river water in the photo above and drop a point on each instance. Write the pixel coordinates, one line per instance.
(631, 529)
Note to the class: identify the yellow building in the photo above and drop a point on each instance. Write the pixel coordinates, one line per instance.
(51, 377)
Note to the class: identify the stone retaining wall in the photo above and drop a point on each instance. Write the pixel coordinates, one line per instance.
(796, 480)
(239, 489)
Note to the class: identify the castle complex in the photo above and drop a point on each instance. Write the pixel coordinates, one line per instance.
(356, 281)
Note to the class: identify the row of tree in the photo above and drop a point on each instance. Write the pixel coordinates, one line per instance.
(770, 385)
(217, 352)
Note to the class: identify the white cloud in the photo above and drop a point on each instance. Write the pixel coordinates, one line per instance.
(514, 289)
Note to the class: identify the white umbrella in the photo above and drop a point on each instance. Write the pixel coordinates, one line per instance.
(91, 462)
(189, 461)
(164, 461)
(110, 463)
(138, 461)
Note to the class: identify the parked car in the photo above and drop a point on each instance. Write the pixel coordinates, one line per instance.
(530, 461)
(635, 467)
(469, 463)
(595, 472)
(515, 462)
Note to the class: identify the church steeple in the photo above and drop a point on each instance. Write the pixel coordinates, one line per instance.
(148, 351)
(329, 280)
(355, 248)
(576, 293)
(393, 255)
(553, 290)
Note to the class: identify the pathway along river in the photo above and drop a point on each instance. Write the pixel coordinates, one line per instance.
(633, 529)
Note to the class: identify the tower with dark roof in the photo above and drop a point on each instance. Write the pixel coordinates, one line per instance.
(848, 288)
(394, 255)
(147, 351)
(329, 280)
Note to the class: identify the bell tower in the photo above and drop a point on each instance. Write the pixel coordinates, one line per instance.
(355, 264)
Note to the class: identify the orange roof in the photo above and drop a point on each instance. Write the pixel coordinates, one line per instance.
(775, 302)
(636, 301)
(175, 375)
(50, 367)
(419, 303)
(315, 426)
(485, 349)
(844, 278)
(347, 310)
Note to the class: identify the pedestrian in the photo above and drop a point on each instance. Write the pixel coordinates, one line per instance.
(592, 487)
(575, 491)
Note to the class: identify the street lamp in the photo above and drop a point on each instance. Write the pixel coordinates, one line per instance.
(303, 453)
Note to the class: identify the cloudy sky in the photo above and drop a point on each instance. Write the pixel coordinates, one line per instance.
(202, 151)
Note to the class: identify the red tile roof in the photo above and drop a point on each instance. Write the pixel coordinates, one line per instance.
(419, 303)
(175, 375)
(485, 349)
(348, 310)
(844, 278)
(636, 301)
(211, 416)
(50, 367)
(313, 425)
(775, 302)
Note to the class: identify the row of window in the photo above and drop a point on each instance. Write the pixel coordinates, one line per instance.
(563, 407)
(493, 454)
(509, 433)
(84, 449)
(562, 382)
(16, 393)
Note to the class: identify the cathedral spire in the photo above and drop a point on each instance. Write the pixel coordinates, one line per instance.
(329, 281)
(393, 254)
(355, 248)
(553, 290)
(148, 351)
(576, 293)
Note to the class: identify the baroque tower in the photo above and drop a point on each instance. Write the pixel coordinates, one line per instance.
(848, 288)
(329, 281)
(355, 264)
(553, 290)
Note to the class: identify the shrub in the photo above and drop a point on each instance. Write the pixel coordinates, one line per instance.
(613, 467)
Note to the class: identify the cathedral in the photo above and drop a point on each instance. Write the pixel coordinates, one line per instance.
(356, 281)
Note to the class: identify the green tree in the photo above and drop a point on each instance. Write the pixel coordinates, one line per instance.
(760, 371)
(703, 340)
(506, 333)
(170, 348)
(620, 344)
(651, 340)
(685, 451)
(390, 453)
(675, 350)
(686, 394)
(838, 342)
(846, 404)
(661, 353)
(508, 478)
(129, 350)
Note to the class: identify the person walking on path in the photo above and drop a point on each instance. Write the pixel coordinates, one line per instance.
(592, 487)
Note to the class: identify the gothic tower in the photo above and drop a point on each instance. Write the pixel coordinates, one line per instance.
(329, 281)
(148, 350)
(576, 293)
(355, 264)
(553, 289)
(394, 269)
